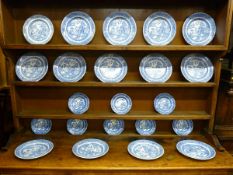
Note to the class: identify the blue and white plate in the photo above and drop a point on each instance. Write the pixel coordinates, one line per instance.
(90, 148)
(164, 103)
(76, 126)
(41, 126)
(145, 149)
(78, 28)
(69, 67)
(121, 103)
(182, 127)
(196, 149)
(145, 127)
(159, 28)
(38, 29)
(110, 68)
(78, 103)
(114, 127)
(155, 68)
(31, 66)
(197, 68)
(199, 29)
(119, 28)
(34, 149)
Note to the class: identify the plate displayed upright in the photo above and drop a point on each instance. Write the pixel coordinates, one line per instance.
(38, 29)
(76, 126)
(155, 68)
(145, 127)
(121, 103)
(78, 28)
(159, 28)
(114, 127)
(34, 149)
(31, 66)
(164, 103)
(119, 28)
(41, 126)
(197, 68)
(199, 29)
(196, 149)
(182, 127)
(69, 67)
(78, 103)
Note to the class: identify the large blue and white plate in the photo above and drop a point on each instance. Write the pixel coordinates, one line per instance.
(164, 103)
(78, 103)
(41, 126)
(38, 29)
(34, 149)
(90, 148)
(199, 29)
(159, 28)
(76, 126)
(155, 68)
(196, 149)
(69, 67)
(78, 28)
(145, 127)
(145, 149)
(119, 28)
(121, 103)
(31, 66)
(110, 68)
(182, 127)
(114, 127)
(197, 68)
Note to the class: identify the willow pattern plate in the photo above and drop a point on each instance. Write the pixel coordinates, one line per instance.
(164, 103)
(145, 149)
(155, 68)
(69, 67)
(182, 127)
(197, 68)
(159, 28)
(38, 29)
(31, 66)
(41, 126)
(78, 103)
(196, 149)
(119, 28)
(145, 127)
(121, 103)
(114, 127)
(199, 29)
(76, 126)
(34, 149)
(78, 28)
(90, 148)
(111, 68)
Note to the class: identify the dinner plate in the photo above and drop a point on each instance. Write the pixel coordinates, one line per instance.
(41, 126)
(182, 127)
(197, 68)
(159, 28)
(145, 127)
(196, 149)
(199, 29)
(121, 103)
(78, 28)
(155, 68)
(90, 148)
(164, 103)
(78, 103)
(114, 127)
(145, 149)
(110, 68)
(34, 149)
(69, 67)
(119, 28)
(31, 66)
(38, 29)
(76, 126)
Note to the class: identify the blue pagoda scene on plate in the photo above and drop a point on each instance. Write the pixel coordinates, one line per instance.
(145, 127)
(182, 127)
(164, 103)
(41, 126)
(76, 126)
(121, 103)
(78, 103)
(114, 127)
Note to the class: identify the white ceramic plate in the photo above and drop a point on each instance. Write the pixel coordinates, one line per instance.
(121, 103)
(164, 103)
(78, 103)
(145, 127)
(114, 127)
(41, 126)
(76, 126)
(182, 127)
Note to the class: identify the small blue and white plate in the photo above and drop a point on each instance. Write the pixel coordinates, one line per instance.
(41, 126)
(182, 127)
(78, 28)
(76, 126)
(114, 127)
(145, 127)
(164, 103)
(121, 103)
(78, 103)
(119, 28)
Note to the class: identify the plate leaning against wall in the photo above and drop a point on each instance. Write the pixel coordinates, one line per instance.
(164, 103)
(182, 127)
(41, 126)
(145, 127)
(78, 103)
(76, 126)
(114, 127)
(121, 103)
